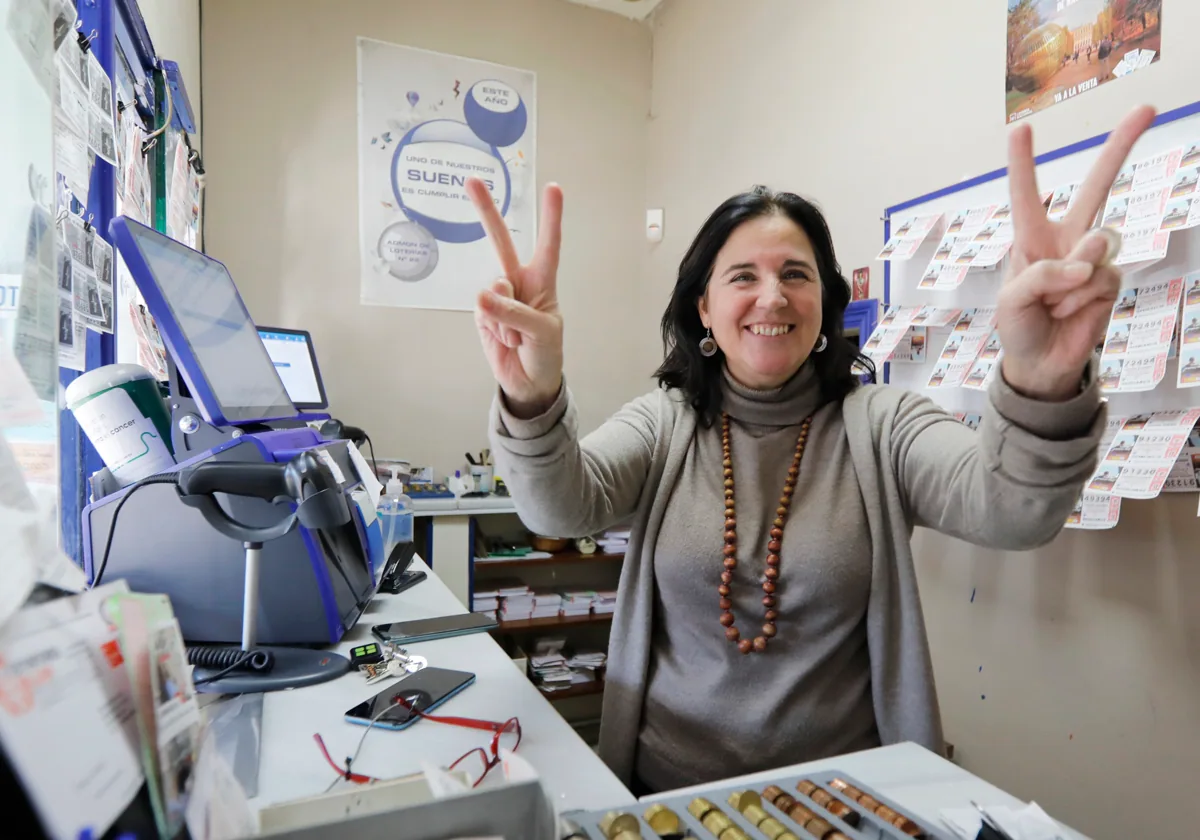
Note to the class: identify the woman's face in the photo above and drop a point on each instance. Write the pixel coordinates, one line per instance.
(763, 301)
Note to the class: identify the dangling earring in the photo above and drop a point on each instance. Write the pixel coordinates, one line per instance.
(708, 347)
(822, 343)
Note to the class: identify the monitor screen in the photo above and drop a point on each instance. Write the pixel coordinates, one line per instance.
(296, 362)
(207, 321)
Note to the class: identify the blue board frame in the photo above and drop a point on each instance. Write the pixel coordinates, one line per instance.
(115, 28)
(77, 458)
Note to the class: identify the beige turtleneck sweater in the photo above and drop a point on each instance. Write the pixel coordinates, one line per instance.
(712, 712)
(900, 462)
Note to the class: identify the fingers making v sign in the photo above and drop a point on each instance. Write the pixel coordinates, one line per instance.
(1060, 286)
(517, 316)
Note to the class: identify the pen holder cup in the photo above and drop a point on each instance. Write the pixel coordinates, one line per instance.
(483, 479)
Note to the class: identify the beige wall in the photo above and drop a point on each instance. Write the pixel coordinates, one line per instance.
(279, 83)
(1090, 649)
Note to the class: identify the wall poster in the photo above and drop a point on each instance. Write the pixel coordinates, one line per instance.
(1058, 49)
(426, 122)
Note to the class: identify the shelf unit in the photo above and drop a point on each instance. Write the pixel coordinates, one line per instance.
(526, 624)
(562, 570)
(553, 559)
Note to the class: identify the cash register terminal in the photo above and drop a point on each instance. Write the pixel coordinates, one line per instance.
(315, 580)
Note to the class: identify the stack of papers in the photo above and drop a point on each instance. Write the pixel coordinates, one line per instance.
(604, 602)
(556, 668)
(550, 666)
(495, 601)
(589, 660)
(546, 604)
(577, 603)
(614, 541)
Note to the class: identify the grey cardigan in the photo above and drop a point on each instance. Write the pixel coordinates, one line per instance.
(1009, 485)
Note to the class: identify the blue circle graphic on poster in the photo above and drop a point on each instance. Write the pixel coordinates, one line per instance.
(495, 112)
(409, 250)
(429, 174)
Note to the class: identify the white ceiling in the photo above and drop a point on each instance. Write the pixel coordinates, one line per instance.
(635, 9)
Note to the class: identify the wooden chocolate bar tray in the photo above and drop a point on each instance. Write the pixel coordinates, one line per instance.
(870, 826)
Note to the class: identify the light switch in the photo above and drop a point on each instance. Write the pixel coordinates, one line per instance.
(654, 225)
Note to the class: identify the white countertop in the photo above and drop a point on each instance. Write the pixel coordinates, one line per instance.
(291, 766)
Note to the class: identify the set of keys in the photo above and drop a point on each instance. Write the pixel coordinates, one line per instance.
(379, 661)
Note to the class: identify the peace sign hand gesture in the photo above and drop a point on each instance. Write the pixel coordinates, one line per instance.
(518, 318)
(1055, 302)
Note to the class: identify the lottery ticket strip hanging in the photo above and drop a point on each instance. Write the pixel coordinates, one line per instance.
(84, 128)
(1140, 456)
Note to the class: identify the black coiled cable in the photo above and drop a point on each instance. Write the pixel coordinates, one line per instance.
(229, 659)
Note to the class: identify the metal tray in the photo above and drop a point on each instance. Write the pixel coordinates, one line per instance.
(870, 826)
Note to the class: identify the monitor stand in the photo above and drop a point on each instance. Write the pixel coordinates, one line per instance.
(191, 434)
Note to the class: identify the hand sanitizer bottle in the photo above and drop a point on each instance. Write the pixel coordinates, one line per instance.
(395, 514)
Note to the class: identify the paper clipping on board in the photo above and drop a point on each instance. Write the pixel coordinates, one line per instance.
(963, 347)
(71, 160)
(943, 276)
(971, 421)
(1189, 334)
(911, 347)
(1061, 201)
(891, 330)
(1185, 474)
(91, 278)
(1183, 208)
(1137, 210)
(984, 370)
(101, 129)
(977, 237)
(935, 316)
(1096, 517)
(1142, 245)
(1095, 512)
(908, 236)
(1139, 336)
(1143, 454)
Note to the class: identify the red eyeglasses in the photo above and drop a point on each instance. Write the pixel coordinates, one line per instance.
(475, 763)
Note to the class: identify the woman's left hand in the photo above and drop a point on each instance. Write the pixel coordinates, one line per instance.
(1058, 294)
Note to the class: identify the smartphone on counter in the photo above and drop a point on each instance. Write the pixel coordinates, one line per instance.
(425, 690)
(425, 629)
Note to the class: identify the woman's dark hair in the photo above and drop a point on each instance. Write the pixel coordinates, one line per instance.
(698, 376)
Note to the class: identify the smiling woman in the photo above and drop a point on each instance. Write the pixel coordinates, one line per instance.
(761, 278)
(768, 610)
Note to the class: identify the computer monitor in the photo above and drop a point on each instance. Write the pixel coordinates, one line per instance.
(295, 360)
(205, 327)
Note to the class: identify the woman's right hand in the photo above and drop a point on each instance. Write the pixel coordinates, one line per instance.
(517, 316)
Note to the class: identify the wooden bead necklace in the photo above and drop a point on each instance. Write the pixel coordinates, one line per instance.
(773, 546)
